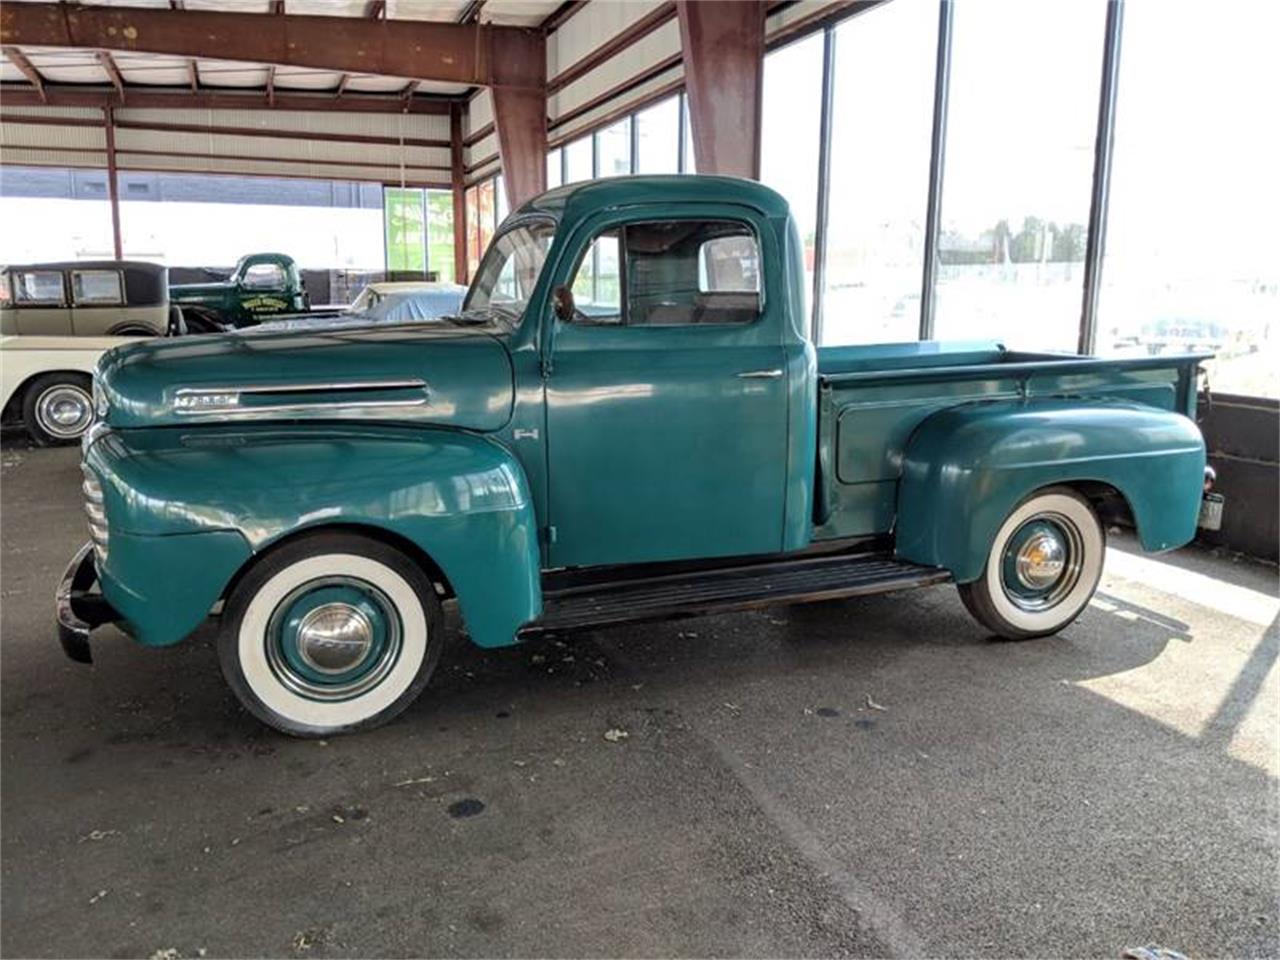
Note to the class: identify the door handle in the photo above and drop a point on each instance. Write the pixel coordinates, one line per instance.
(760, 374)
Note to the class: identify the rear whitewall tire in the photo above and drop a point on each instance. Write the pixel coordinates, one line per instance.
(998, 608)
(265, 684)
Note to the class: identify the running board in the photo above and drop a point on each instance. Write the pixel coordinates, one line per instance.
(734, 588)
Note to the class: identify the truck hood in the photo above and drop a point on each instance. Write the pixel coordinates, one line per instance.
(434, 374)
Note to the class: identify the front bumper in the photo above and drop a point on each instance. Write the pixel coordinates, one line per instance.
(79, 608)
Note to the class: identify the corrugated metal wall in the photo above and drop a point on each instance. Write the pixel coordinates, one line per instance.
(382, 147)
(638, 73)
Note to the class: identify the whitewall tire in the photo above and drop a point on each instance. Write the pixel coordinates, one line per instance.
(1043, 566)
(331, 633)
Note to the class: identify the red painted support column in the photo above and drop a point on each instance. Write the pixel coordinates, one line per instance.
(723, 49)
(113, 188)
(520, 114)
(457, 180)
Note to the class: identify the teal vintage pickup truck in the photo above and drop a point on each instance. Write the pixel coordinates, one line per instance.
(626, 421)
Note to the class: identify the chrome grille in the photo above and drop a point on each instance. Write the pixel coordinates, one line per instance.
(93, 508)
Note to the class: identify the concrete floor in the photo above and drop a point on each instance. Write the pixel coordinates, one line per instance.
(872, 777)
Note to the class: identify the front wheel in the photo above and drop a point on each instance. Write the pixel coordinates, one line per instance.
(329, 634)
(1044, 565)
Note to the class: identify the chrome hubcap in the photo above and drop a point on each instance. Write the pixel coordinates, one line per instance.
(64, 411)
(1041, 560)
(334, 637)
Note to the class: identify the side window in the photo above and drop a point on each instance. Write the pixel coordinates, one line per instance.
(38, 286)
(682, 272)
(97, 286)
(264, 276)
(597, 286)
(671, 273)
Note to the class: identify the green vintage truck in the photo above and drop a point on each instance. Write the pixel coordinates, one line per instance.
(626, 421)
(261, 286)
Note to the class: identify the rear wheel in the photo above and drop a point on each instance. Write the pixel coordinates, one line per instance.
(1043, 568)
(58, 408)
(331, 633)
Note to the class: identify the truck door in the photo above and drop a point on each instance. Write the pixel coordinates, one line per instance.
(666, 393)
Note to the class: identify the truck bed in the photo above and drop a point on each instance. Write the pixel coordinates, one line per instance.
(871, 398)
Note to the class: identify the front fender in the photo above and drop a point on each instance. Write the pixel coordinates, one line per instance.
(462, 499)
(965, 468)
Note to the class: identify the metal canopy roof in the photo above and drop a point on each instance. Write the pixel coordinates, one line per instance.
(92, 68)
(74, 106)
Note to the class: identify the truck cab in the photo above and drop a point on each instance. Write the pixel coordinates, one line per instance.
(626, 420)
(261, 286)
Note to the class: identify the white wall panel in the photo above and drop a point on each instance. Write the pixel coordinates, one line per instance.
(787, 16)
(480, 149)
(43, 135)
(488, 170)
(641, 55)
(478, 113)
(590, 27)
(282, 149)
(27, 157)
(592, 117)
(413, 125)
(128, 161)
(59, 113)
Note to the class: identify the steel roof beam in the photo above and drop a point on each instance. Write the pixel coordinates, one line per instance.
(109, 65)
(19, 60)
(177, 98)
(471, 53)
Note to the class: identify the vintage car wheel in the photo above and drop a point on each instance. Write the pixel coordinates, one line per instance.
(58, 408)
(331, 633)
(1044, 565)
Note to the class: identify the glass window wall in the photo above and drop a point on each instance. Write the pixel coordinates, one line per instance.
(1019, 169)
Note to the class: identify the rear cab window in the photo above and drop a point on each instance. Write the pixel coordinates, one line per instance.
(97, 287)
(670, 273)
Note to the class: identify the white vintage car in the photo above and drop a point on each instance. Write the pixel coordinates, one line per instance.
(46, 383)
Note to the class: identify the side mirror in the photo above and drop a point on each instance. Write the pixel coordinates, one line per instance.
(562, 303)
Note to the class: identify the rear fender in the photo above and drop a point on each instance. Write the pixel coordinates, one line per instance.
(461, 499)
(965, 468)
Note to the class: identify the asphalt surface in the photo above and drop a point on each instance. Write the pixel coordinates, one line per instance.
(864, 778)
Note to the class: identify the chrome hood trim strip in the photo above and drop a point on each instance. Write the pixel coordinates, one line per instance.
(229, 402)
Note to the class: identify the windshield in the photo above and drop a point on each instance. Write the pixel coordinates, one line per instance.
(510, 269)
(368, 298)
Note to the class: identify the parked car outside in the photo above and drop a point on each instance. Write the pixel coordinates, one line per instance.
(88, 298)
(262, 284)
